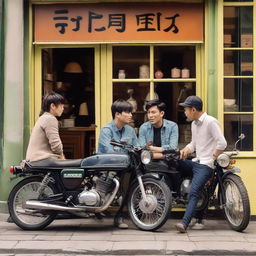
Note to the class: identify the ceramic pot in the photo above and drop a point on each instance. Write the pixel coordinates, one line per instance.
(175, 73)
(159, 74)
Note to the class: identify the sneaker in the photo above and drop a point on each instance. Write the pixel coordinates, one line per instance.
(197, 225)
(118, 222)
(181, 227)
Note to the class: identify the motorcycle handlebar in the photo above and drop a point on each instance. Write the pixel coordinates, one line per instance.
(171, 154)
(116, 143)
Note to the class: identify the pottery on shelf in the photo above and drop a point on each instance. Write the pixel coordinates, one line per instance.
(175, 72)
(132, 101)
(159, 74)
(121, 74)
(144, 71)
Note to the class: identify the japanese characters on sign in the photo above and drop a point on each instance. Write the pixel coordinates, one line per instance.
(92, 22)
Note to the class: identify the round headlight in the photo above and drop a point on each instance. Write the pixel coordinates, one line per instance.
(145, 157)
(223, 160)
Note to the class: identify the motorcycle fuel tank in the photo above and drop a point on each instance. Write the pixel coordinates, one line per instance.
(115, 161)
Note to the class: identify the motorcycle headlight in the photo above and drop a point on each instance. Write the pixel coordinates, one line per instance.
(223, 160)
(145, 157)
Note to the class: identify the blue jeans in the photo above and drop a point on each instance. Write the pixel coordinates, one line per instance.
(201, 174)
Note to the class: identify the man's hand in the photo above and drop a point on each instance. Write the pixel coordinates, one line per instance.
(62, 157)
(184, 153)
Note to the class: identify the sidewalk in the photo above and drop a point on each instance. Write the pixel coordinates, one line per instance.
(92, 237)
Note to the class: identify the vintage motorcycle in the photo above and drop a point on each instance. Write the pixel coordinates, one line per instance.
(225, 190)
(89, 185)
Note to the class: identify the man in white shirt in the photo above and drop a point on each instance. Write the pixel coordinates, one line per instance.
(208, 142)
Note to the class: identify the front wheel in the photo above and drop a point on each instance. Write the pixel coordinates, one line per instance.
(29, 219)
(151, 214)
(237, 206)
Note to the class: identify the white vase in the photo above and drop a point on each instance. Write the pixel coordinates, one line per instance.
(132, 101)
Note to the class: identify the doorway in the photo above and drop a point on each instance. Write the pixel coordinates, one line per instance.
(71, 73)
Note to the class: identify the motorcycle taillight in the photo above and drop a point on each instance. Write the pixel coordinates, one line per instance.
(15, 169)
(12, 170)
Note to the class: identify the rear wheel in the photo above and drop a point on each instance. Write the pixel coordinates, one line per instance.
(153, 213)
(29, 219)
(237, 206)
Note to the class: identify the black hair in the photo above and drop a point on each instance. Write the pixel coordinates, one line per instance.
(160, 105)
(120, 106)
(50, 98)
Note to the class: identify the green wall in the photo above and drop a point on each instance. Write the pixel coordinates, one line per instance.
(12, 91)
(212, 94)
(1, 83)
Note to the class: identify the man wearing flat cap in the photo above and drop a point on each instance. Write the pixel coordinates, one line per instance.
(208, 142)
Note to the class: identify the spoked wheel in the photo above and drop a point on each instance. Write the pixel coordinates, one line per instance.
(237, 206)
(152, 213)
(29, 219)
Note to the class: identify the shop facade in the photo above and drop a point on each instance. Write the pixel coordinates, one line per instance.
(96, 52)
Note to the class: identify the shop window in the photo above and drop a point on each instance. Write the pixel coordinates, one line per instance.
(70, 72)
(238, 72)
(141, 73)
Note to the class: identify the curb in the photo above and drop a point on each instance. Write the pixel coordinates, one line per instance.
(127, 252)
(4, 216)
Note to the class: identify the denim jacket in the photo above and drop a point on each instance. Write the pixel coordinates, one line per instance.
(110, 131)
(169, 134)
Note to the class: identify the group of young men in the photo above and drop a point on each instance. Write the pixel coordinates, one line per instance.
(207, 140)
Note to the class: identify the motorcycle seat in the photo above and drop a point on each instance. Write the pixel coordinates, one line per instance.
(52, 162)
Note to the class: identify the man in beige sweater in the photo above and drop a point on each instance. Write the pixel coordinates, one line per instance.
(45, 141)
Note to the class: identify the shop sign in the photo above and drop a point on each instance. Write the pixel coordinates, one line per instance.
(118, 22)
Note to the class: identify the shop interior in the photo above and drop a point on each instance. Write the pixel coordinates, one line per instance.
(71, 72)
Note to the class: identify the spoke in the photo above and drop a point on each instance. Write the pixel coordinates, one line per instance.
(149, 218)
(22, 195)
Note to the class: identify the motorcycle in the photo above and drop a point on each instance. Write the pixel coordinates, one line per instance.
(89, 185)
(225, 190)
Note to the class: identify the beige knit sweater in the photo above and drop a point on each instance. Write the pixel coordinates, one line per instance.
(45, 141)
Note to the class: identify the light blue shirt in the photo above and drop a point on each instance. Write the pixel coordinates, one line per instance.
(169, 134)
(111, 132)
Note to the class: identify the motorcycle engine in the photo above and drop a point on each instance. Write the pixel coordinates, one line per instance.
(94, 196)
(185, 187)
(89, 197)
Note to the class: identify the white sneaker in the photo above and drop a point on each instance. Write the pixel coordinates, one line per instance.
(197, 225)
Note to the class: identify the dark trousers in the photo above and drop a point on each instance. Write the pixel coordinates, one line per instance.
(201, 174)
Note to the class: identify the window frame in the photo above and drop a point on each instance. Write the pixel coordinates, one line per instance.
(221, 77)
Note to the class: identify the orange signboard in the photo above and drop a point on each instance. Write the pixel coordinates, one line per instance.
(118, 22)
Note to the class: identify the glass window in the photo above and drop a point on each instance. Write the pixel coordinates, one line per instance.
(234, 126)
(238, 26)
(129, 59)
(167, 58)
(238, 95)
(171, 77)
(238, 75)
(238, 63)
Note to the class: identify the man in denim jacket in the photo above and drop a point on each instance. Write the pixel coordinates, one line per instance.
(162, 133)
(120, 130)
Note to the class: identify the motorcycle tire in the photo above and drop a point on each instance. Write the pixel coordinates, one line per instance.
(23, 217)
(237, 206)
(154, 215)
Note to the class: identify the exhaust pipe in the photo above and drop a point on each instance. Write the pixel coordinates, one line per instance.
(33, 204)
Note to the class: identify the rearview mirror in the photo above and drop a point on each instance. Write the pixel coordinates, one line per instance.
(242, 136)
